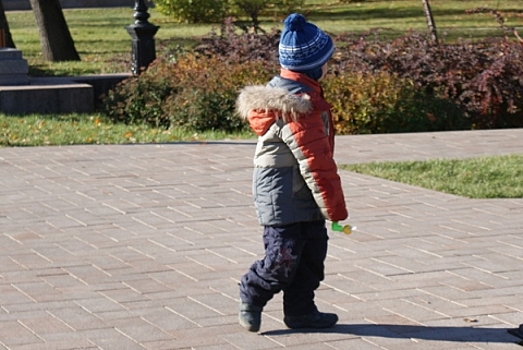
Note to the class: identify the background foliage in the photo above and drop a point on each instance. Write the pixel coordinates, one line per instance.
(185, 93)
(214, 11)
(104, 44)
(376, 85)
(194, 11)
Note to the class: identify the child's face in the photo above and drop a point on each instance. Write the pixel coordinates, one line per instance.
(324, 70)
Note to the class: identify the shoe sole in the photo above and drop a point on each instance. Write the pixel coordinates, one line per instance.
(298, 325)
(301, 326)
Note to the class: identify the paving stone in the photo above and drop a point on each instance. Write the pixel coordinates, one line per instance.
(142, 247)
(13, 333)
(78, 318)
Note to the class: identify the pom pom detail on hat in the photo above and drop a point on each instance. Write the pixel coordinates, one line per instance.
(295, 22)
(303, 46)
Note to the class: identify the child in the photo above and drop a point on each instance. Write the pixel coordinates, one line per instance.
(295, 184)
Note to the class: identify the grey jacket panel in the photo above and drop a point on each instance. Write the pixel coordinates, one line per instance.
(281, 195)
(279, 199)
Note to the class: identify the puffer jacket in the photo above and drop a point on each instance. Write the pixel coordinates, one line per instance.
(295, 177)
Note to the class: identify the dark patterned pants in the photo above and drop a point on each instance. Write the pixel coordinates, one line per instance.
(293, 262)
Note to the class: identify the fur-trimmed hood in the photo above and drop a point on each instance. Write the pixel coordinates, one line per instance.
(289, 96)
(272, 100)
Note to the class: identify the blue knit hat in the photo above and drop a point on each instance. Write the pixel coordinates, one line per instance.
(303, 46)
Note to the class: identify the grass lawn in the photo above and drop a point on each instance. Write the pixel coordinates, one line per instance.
(485, 177)
(58, 130)
(100, 39)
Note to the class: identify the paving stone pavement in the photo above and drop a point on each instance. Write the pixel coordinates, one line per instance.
(142, 247)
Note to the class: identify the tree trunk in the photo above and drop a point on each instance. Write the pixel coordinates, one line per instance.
(4, 29)
(55, 38)
(430, 21)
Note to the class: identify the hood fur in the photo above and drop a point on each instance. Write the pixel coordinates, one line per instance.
(278, 100)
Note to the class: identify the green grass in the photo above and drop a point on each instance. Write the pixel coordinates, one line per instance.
(72, 129)
(400, 16)
(485, 177)
(100, 38)
(104, 45)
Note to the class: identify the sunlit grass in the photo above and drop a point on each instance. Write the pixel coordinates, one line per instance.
(74, 129)
(100, 37)
(485, 177)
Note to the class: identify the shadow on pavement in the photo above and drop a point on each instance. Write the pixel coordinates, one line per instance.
(453, 334)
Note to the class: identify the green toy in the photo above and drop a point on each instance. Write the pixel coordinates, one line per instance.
(347, 229)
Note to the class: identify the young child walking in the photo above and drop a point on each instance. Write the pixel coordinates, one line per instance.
(296, 185)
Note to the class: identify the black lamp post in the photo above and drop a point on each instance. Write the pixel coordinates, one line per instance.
(142, 33)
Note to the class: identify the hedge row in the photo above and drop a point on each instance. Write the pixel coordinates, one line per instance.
(405, 85)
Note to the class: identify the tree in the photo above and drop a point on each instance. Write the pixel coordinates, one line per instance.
(252, 8)
(4, 27)
(430, 21)
(194, 11)
(55, 38)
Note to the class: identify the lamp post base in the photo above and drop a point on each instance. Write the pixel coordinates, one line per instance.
(143, 46)
(142, 33)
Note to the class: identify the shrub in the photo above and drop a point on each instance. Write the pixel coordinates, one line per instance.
(228, 45)
(252, 8)
(207, 98)
(140, 100)
(197, 90)
(483, 78)
(193, 11)
(366, 103)
(186, 93)
(286, 7)
(404, 85)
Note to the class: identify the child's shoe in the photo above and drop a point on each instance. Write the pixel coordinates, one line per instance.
(315, 319)
(250, 317)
